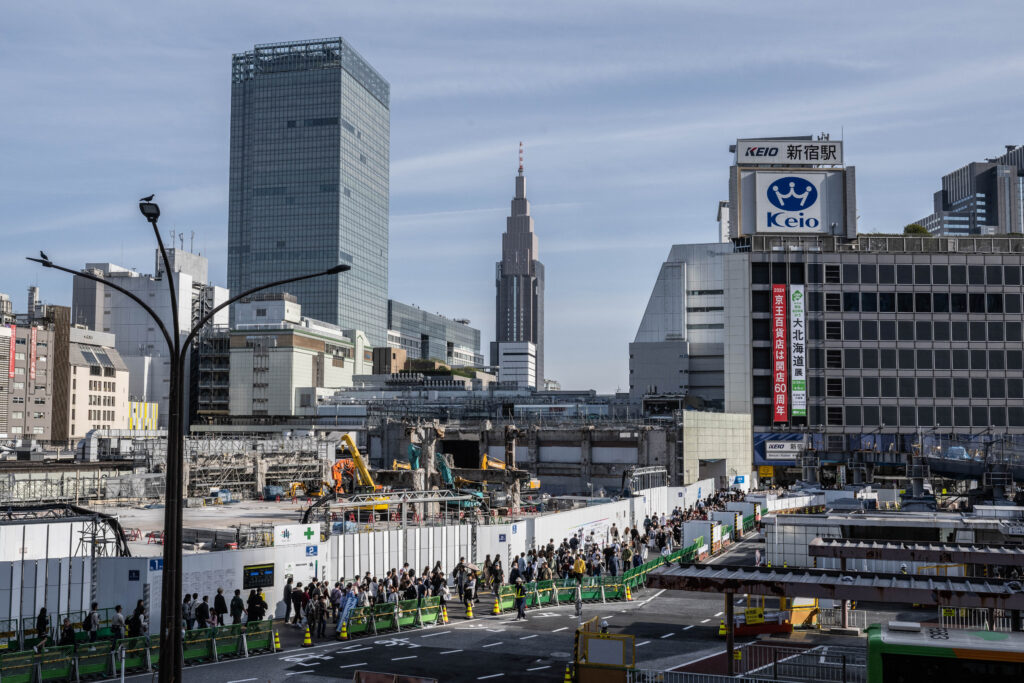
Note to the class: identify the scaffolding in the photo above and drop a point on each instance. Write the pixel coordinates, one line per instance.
(245, 465)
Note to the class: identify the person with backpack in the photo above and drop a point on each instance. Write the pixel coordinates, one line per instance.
(237, 607)
(92, 622)
(42, 623)
(117, 623)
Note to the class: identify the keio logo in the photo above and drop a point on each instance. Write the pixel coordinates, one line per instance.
(792, 194)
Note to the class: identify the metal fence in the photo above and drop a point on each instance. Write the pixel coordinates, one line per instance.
(833, 618)
(643, 676)
(975, 618)
(823, 663)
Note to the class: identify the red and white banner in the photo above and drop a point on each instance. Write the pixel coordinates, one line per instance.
(14, 341)
(780, 380)
(32, 356)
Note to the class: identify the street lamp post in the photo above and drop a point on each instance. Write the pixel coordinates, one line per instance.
(170, 604)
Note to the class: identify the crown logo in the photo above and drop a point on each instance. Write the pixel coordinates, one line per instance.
(792, 193)
(785, 195)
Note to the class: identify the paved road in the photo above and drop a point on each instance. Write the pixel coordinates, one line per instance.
(669, 628)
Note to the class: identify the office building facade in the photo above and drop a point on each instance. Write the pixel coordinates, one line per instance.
(432, 336)
(276, 352)
(981, 198)
(98, 396)
(519, 279)
(678, 348)
(310, 146)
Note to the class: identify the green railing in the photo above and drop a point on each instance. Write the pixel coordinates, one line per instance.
(748, 523)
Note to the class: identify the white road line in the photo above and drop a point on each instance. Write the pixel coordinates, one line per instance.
(720, 614)
(358, 649)
(528, 637)
(668, 635)
(242, 680)
(449, 652)
(349, 666)
(704, 621)
(492, 644)
(687, 628)
(608, 617)
(655, 595)
(484, 678)
(536, 668)
(439, 633)
(296, 673)
(398, 659)
(354, 646)
(643, 643)
(560, 629)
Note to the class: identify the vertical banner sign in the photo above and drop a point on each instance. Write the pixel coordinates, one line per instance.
(797, 352)
(14, 341)
(780, 383)
(32, 356)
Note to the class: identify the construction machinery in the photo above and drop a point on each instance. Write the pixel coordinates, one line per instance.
(349, 476)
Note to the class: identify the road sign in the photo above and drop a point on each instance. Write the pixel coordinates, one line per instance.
(311, 551)
(133, 574)
(156, 565)
(501, 538)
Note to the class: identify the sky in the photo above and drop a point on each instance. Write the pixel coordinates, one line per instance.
(626, 111)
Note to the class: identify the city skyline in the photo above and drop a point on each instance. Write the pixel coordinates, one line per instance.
(618, 178)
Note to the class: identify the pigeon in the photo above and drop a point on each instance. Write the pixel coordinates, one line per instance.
(147, 199)
(44, 256)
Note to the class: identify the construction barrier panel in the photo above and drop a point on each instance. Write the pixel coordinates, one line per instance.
(227, 641)
(259, 636)
(57, 664)
(430, 611)
(198, 645)
(408, 614)
(384, 617)
(507, 597)
(748, 523)
(94, 659)
(360, 621)
(18, 667)
(9, 636)
(591, 589)
(614, 588)
(135, 652)
(545, 593)
(565, 590)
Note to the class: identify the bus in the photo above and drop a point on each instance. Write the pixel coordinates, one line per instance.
(904, 652)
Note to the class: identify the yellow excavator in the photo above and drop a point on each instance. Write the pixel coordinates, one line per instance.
(349, 475)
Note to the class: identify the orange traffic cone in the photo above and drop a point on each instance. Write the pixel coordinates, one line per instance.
(497, 607)
(444, 614)
(277, 642)
(343, 633)
(629, 596)
(568, 675)
(469, 610)
(306, 640)
(721, 628)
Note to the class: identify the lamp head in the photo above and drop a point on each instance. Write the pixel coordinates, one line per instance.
(150, 210)
(340, 268)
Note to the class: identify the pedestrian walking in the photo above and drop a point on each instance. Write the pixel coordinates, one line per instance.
(93, 622)
(520, 596)
(220, 607)
(237, 607)
(117, 623)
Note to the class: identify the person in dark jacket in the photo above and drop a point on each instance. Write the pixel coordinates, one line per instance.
(220, 606)
(257, 607)
(237, 607)
(203, 613)
(42, 623)
(67, 632)
(297, 595)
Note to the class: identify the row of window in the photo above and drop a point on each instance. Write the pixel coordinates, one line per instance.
(19, 430)
(106, 415)
(899, 302)
(901, 330)
(904, 387)
(904, 359)
(883, 274)
(906, 416)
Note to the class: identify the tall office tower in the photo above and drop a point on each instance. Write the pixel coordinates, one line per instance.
(310, 139)
(519, 315)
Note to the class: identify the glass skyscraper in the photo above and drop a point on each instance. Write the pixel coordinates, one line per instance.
(310, 145)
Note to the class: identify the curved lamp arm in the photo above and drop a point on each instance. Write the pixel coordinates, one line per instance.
(108, 283)
(341, 268)
(170, 284)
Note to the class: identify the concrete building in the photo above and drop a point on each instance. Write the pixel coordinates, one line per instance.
(310, 148)
(517, 364)
(388, 360)
(98, 396)
(981, 198)
(139, 342)
(519, 277)
(276, 351)
(27, 401)
(433, 336)
(679, 346)
(6, 310)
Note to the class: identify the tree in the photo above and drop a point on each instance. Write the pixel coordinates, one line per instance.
(916, 229)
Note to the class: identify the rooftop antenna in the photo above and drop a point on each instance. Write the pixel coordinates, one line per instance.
(192, 242)
(520, 157)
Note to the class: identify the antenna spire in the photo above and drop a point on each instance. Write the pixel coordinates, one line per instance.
(520, 157)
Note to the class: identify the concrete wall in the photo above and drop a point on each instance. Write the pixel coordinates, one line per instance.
(716, 436)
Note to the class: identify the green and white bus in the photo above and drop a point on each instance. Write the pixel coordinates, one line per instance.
(905, 652)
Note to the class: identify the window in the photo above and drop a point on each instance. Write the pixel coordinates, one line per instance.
(762, 330)
(1011, 275)
(762, 359)
(958, 275)
(832, 274)
(853, 415)
(905, 274)
(994, 275)
(888, 359)
(851, 330)
(870, 415)
(923, 331)
(995, 332)
(887, 330)
(868, 302)
(994, 303)
(833, 330)
(869, 330)
(940, 275)
(943, 387)
(1011, 303)
(889, 385)
(962, 416)
(16, 430)
(907, 416)
(834, 416)
(940, 303)
(924, 416)
(778, 273)
(941, 359)
(922, 275)
(959, 330)
(886, 302)
(852, 387)
(923, 302)
(814, 302)
(889, 415)
(940, 330)
(957, 302)
(867, 274)
(905, 302)
(995, 359)
(850, 273)
(869, 358)
(834, 387)
(37, 430)
(977, 331)
(1013, 360)
(886, 275)
(906, 359)
(996, 388)
(905, 330)
(979, 416)
(833, 302)
(851, 302)
(761, 302)
(924, 359)
(976, 275)
(870, 387)
(261, 312)
(924, 387)
(961, 359)
(834, 359)
(814, 273)
(760, 274)
(851, 358)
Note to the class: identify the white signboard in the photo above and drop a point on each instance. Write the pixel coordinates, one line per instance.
(789, 152)
(797, 350)
(297, 534)
(782, 450)
(790, 202)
